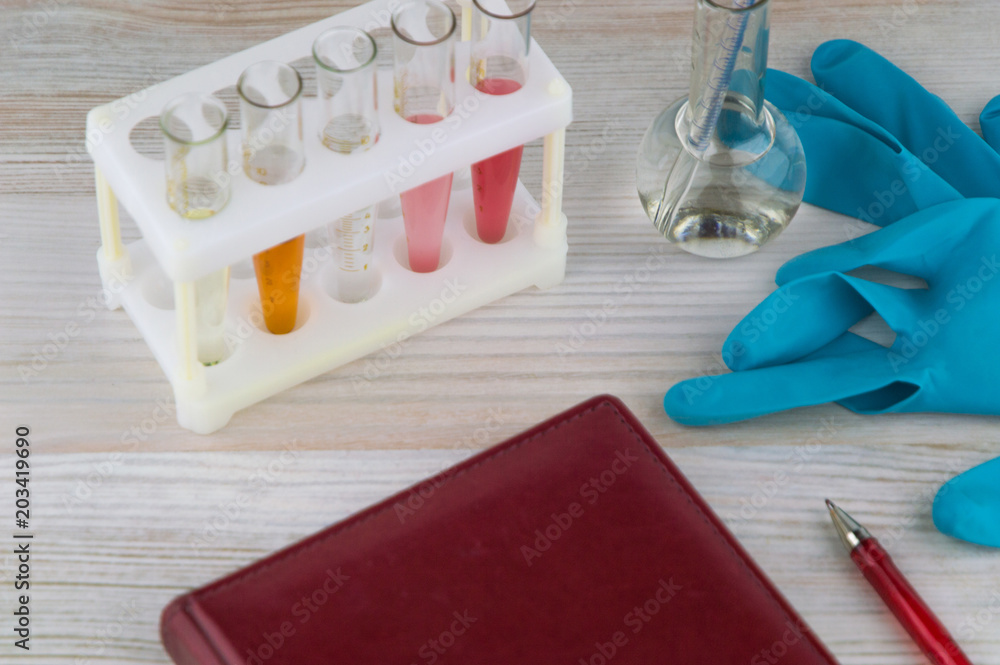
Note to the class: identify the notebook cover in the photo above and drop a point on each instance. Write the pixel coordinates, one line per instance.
(575, 542)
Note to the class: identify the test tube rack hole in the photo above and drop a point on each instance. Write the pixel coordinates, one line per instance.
(152, 279)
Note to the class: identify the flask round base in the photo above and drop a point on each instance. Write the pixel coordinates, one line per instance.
(732, 201)
(717, 234)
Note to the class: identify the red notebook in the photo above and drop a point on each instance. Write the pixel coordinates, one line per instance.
(575, 542)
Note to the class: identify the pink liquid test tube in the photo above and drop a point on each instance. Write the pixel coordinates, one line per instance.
(424, 89)
(425, 209)
(501, 38)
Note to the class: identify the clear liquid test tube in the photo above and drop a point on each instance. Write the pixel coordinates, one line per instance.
(194, 132)
(345, 77)
(501, 39)
(211, 293)
(424, 93)
(345, 74)
(352, 237)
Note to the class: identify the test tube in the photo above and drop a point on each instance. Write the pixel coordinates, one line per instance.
(424, 93)
(352, 237)
(194, 134)
(279, 271)
(211, 293)
(345, 72)
(501, 39)
(271, 114)
(274, 153)
(345, 76)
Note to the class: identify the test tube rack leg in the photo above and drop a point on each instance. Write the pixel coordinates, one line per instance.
(153, 279)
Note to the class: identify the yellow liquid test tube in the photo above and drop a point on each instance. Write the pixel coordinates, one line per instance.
(279, 271)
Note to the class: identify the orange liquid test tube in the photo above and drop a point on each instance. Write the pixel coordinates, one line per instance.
(279, 271)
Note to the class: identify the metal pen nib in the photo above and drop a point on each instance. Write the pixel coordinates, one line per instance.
(851, 533)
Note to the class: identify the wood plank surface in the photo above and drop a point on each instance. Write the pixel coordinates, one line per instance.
(108, 563)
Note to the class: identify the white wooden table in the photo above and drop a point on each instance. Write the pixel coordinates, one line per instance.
(130, 510)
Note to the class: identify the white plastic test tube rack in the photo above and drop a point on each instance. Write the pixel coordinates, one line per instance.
(153, 278)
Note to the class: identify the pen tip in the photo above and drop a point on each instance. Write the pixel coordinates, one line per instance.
(851, 533)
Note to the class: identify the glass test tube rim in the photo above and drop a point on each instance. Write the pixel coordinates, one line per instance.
(281, 65)
(756, 4)
(448, 33)
(345, 29)
(519, 14)
(191, 96)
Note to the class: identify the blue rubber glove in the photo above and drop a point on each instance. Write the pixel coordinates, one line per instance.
(881, 148)
(794, 349)
(968, 506)
(878, 145)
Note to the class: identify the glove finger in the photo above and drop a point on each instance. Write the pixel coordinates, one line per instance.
(802, 317)
(914, 246)
(728, 398)
(854, 166)
(968, 506)
(989, 122)
(921, 121)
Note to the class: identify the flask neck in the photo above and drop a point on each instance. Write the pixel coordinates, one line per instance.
(729, 61)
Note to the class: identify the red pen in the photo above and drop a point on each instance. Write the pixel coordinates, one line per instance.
(909, 608)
